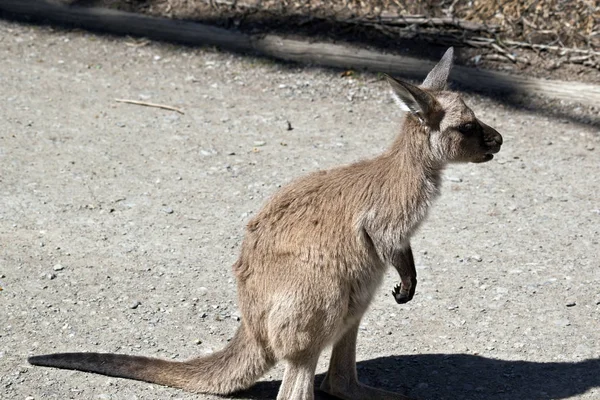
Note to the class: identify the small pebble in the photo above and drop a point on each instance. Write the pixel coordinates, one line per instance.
(168, 210)
(562, 322)
(259, 143)
(58, 267)
(135, 305)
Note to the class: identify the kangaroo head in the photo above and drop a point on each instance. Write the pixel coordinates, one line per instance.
(454, 133)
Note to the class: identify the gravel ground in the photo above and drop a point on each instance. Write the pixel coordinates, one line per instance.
(119, 223)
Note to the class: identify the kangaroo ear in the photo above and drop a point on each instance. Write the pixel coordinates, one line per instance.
(438, 77)
(410, 98)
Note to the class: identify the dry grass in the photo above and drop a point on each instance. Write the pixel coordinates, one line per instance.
(569, 30)
(566, 23)
(573, 23)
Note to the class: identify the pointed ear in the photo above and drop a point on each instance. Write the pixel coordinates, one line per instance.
(438, 77)
(410, 98)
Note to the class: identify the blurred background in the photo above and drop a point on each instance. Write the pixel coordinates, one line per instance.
(546, 38)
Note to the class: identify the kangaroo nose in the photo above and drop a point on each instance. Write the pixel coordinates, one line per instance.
(494, 142)
(491, 136)
(498, 139)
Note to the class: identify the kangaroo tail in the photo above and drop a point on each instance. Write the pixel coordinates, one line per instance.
(236, 367)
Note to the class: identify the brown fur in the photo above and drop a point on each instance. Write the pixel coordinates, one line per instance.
(314, 256)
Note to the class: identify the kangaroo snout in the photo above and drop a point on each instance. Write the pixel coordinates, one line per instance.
(492, 139)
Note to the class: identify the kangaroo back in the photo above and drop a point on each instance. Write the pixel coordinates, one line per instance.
(234, 368)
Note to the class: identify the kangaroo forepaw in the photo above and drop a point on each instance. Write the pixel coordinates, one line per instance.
(402, 294)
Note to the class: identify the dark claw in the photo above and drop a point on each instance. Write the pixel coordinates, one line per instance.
(400, 297)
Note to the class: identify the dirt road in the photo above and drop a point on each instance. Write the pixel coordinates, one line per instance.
(119, 223)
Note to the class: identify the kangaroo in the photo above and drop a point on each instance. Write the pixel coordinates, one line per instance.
(314, 256)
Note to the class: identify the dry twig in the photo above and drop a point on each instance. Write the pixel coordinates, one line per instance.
(145, 103)
(418, 20)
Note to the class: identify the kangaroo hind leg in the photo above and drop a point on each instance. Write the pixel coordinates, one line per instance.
(341, 379)
(298, 379)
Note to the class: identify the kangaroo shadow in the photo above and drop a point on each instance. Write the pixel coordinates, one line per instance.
(464, 376)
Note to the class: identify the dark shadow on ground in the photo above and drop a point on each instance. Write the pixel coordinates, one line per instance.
(306, 27)
(466, 377)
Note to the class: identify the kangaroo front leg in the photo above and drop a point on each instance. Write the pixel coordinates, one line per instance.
(404, 263)
(341, 379)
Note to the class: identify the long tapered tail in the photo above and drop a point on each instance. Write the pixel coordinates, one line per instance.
(236, 367)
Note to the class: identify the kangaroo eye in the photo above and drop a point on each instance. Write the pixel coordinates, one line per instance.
(467, 128)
